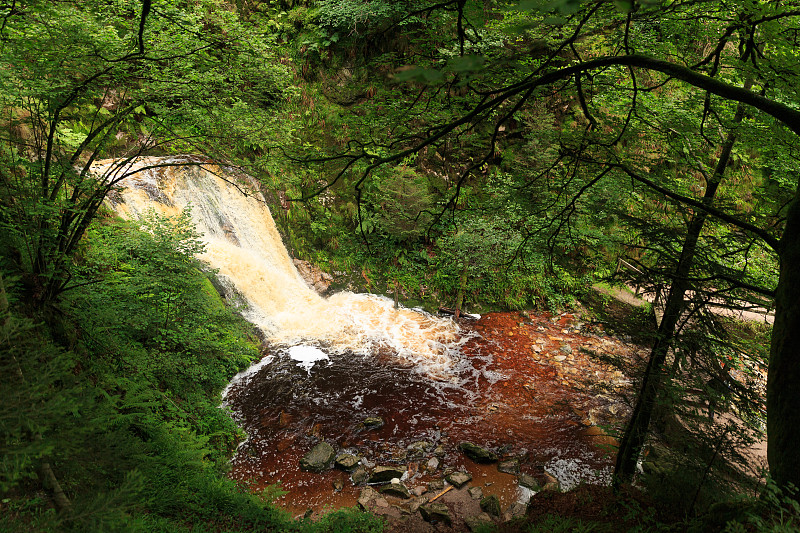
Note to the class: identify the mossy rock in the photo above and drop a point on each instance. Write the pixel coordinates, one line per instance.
(478, 453)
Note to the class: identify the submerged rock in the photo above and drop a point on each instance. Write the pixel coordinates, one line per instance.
(435, 485)
(319, 458)
(372, 422)
(414, 505)
(510, 466)
(477, 453)
(436, 512)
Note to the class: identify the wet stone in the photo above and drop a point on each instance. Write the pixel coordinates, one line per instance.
(476, 523)
(510, 466)
(395, 489)
(458, 479)
(477, 453)
(318, 459)
(491, 505)
(529, 482)
(551, 483)
(373, 422)
(419, 491)
(435, 512)
(415, 504)
(359, 475)
(347, 462)
(517, 509)
(435, 485)
(384, 474)
(367, 495)
(418, 449)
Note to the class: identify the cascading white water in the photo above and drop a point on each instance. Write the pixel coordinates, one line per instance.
(244, 245)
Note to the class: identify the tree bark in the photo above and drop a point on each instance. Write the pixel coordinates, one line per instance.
(783, 399)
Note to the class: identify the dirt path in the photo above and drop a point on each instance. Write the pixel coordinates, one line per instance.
(625, 296)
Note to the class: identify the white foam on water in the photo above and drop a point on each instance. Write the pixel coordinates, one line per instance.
(307, 356)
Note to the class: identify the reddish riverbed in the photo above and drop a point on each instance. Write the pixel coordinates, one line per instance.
(528, 387)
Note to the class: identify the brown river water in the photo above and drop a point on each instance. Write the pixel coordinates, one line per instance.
(508, 392)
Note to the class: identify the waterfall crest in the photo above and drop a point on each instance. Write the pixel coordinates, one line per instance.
(243, 244)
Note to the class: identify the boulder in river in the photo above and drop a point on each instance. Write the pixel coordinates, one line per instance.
(477, 453)
(384, 474)
(319, 458)
(418, 449)
(529, 482)
(347, 461)
(372, 422)
(359, 475)
(478, 523)
(395, 489)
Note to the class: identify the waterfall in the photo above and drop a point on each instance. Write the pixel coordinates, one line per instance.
(243, 245)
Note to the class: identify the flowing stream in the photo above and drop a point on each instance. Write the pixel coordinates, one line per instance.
(500, 382)
(243, 243)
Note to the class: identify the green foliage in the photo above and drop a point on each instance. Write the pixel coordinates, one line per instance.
(562, 524)
(129, 416)
(355, 16)
(345, 520)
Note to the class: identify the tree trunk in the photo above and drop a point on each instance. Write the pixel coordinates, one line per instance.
(637, 429)
(639, 424)
(783, 400)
